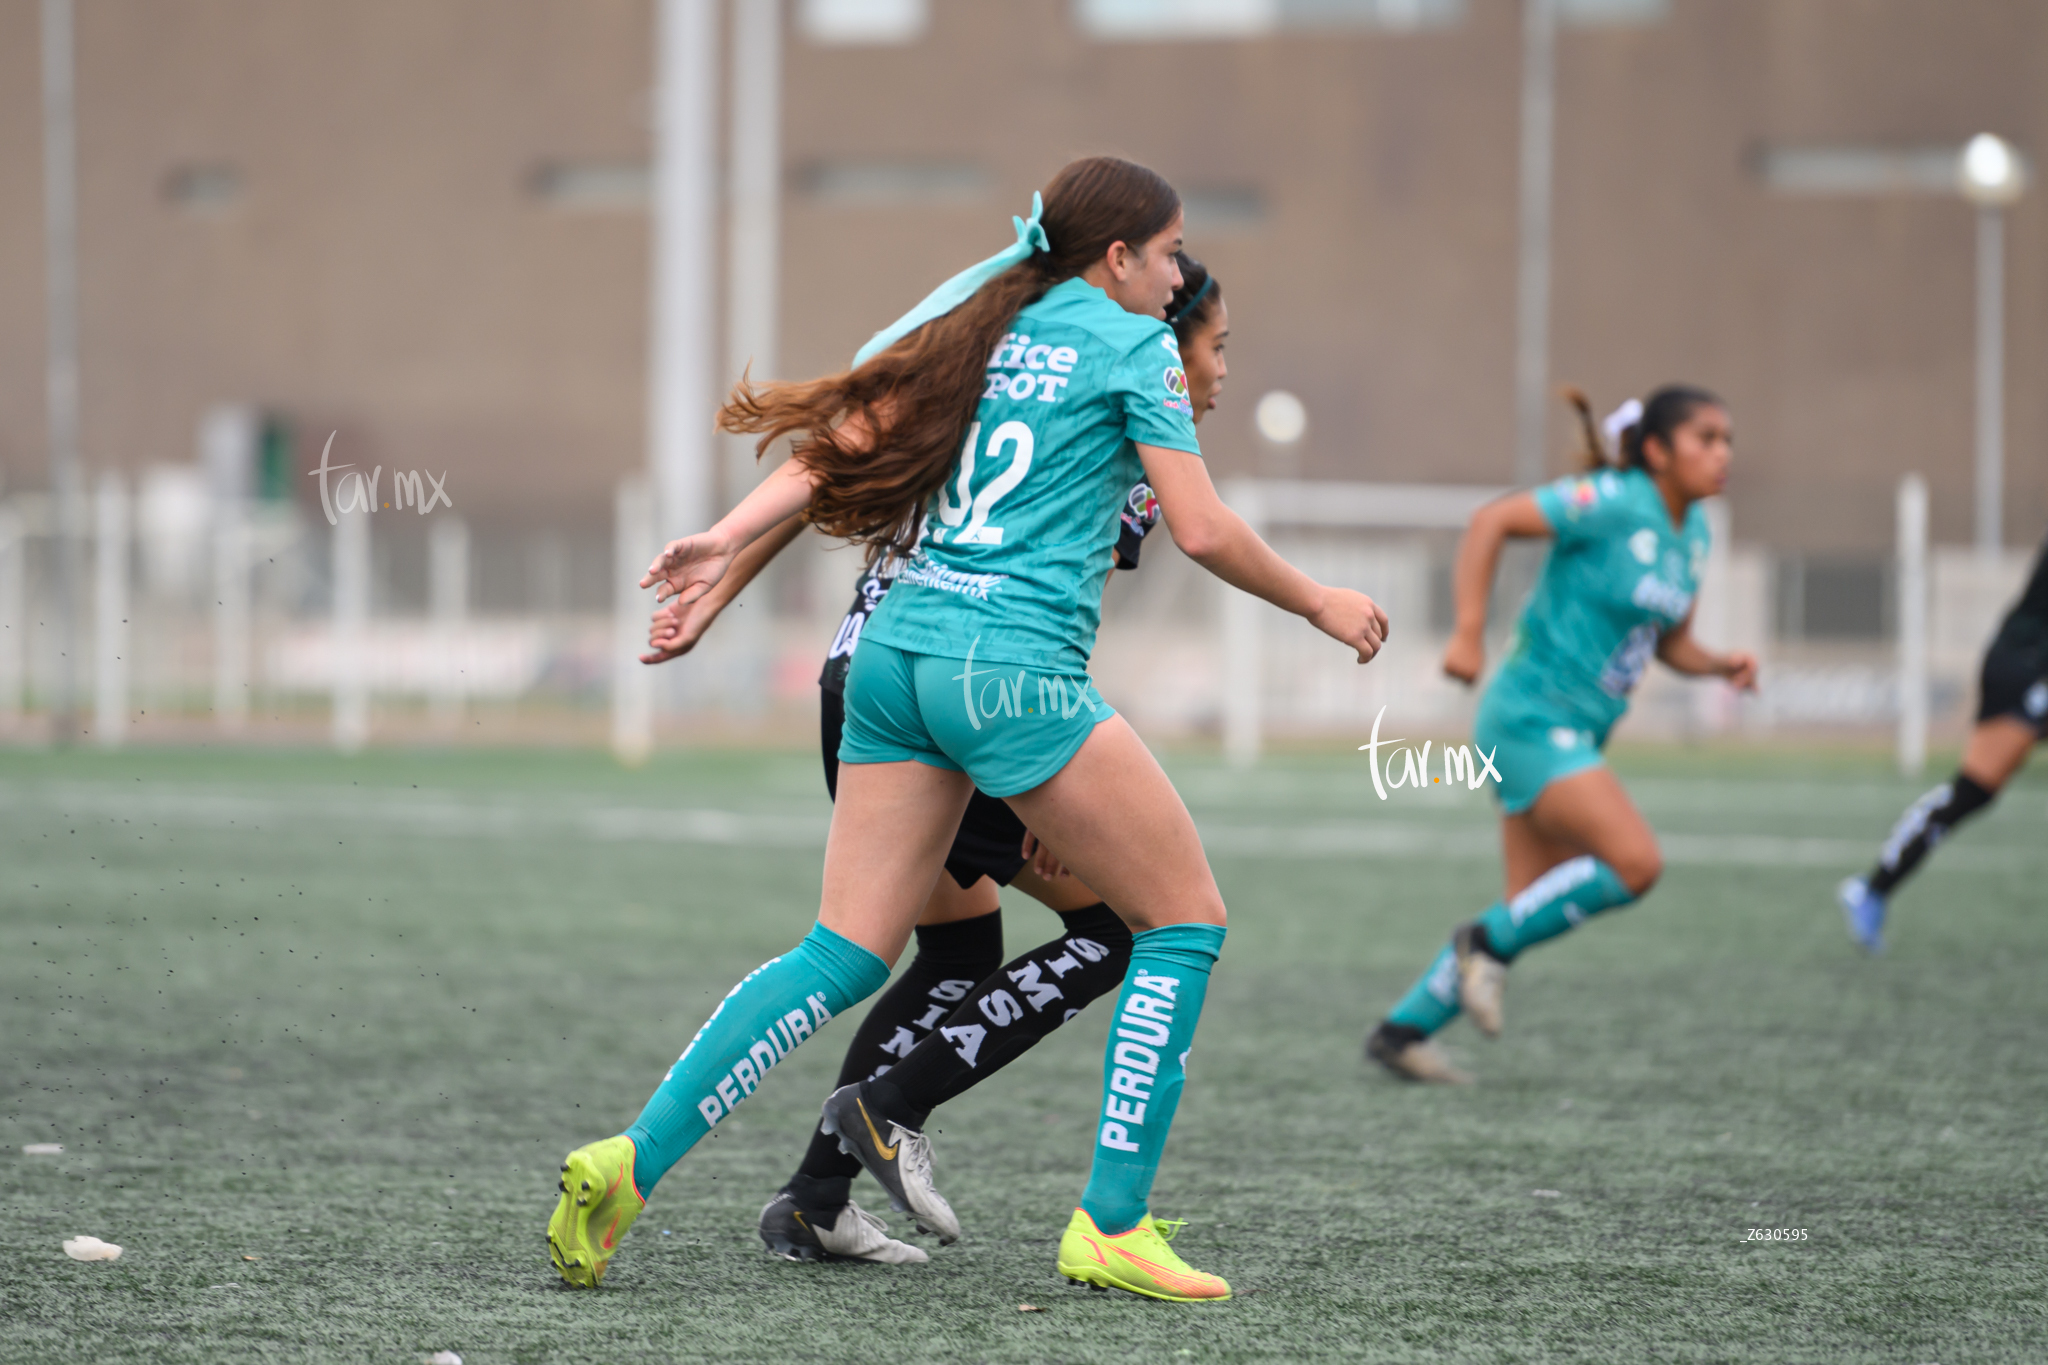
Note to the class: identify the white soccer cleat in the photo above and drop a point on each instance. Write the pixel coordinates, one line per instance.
(902, 1161)
(861, 1236)
(1482, 980)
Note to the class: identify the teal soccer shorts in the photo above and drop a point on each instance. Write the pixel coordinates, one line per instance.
(1007, 727)
(1529, 752)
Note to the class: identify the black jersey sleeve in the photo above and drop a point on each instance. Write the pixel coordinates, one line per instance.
(1140, 515)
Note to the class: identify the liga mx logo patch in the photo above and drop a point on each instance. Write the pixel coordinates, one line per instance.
(1177, 386)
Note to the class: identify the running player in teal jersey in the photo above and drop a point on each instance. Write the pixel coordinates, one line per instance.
(991, 436)
(1616, 590)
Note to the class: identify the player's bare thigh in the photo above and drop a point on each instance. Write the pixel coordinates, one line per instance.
(1116, 820)
(891, 828)
(951, 902)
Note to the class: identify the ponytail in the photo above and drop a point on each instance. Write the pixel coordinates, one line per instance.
(1594, 456)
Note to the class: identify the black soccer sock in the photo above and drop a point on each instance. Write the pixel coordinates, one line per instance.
(1926, 823)
(950, 959)
(1008, 1014)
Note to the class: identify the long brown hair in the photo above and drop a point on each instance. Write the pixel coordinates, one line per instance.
(919, 395)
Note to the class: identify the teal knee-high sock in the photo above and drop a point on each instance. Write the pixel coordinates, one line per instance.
(1559, 900)
(779, 1004)
(1145, 1066)
(1432, 1001)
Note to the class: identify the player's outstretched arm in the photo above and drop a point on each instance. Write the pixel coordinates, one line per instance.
(1472, 579)
(1682, 653)
(686, 569)
(1218, 539)
(677, 628)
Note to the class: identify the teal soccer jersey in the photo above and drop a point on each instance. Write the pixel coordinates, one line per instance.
(1019, 539)
(1618, 576)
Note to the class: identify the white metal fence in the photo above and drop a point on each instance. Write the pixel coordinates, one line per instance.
(231, 613)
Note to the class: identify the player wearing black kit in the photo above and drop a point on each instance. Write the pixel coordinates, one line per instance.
(2012, 714)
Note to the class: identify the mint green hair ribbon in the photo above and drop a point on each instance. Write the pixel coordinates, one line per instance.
(956, 291)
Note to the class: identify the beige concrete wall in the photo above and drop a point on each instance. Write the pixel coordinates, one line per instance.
(386, 270)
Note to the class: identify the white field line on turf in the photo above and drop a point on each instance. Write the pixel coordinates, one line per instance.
(299, 811)
(1381, 840)
(443, 816)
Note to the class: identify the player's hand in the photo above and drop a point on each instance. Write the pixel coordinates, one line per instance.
(1739, 668)
(1353, 618)
(1464, 657)
(686, 569)
(676, 629)
(1043, 863)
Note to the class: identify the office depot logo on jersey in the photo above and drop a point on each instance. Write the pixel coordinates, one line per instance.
(1462, 763)
(1019, 369)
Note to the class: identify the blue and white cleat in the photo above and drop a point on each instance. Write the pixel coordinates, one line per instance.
(1864, 911)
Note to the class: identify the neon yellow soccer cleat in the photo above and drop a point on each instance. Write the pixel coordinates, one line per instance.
(599, 1202)
(1139, 1261)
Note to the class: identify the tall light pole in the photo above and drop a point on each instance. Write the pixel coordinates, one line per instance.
(682, 347)
(1532, 294)
(60, 268)
(753, 226)
(1990, 175)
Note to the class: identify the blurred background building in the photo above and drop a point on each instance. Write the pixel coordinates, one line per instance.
(428, 230)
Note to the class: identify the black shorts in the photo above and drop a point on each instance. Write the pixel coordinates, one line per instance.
(990, 840)
(2014, 683)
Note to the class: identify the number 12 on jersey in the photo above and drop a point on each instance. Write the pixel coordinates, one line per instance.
(973, 508)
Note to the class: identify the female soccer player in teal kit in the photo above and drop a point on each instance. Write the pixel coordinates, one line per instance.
(952, 1017)
(992, 436)
(1616, 589)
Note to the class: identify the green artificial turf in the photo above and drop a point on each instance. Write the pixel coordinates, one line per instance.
(344, 1017)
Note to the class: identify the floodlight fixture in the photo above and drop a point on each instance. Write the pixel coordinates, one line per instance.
(1990, 173)
(1281, 418)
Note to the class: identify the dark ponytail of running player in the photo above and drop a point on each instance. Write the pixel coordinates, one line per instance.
(1595, 455)
(921, 393)
(1665, 411)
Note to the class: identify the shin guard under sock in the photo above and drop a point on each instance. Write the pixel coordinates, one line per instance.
(762, 1020)
(1926, 823)
(950, 959)
(1559, 900)
(1017, 1007)
(1144, 1067)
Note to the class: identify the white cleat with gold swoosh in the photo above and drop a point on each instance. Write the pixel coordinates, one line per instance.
(901, 1160)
